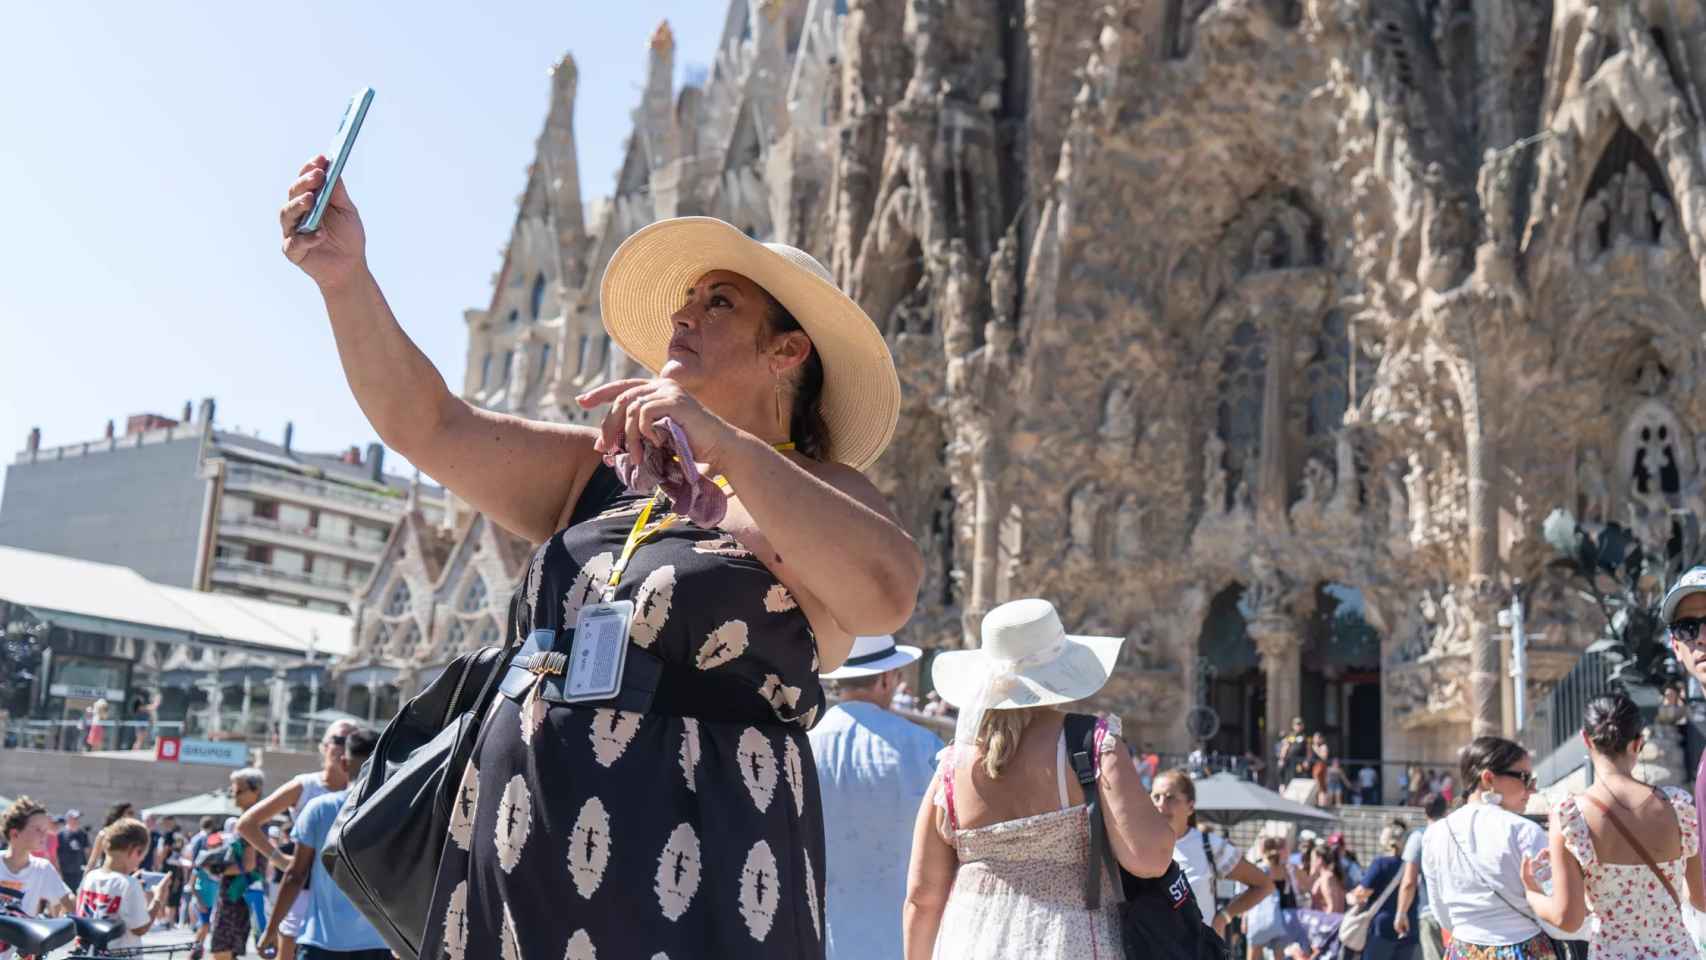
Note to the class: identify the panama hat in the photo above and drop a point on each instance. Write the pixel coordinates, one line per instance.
(871, 656)
(642, 288)
(1027, 660)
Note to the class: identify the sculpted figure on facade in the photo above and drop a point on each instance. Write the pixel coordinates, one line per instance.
(1128, 530)
(1594, 487)
(1083, 513)
(1214, 474)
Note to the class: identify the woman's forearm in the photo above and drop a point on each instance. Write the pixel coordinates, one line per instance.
(396, 386)
(855, 560)
(919, 925)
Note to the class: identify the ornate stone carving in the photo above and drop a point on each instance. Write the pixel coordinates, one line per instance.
(1128, 530)
(1119, 417)
(1594, 488)
(1084, 508)
(1214, 474)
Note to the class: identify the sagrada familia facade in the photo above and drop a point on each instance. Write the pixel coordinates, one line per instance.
(1263, 332)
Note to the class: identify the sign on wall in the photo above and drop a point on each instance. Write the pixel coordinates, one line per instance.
(77, 691)
(213, 752)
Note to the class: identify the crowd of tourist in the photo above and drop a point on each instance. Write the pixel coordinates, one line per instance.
(233, 885)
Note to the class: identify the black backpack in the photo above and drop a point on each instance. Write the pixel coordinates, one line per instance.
(1158, 916)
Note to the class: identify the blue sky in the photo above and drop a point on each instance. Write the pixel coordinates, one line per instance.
(148, 147)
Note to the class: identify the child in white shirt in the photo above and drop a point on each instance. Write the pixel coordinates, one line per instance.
(112, 891)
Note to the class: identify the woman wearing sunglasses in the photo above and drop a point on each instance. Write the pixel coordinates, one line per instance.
(1473, 859)
(1629, 848)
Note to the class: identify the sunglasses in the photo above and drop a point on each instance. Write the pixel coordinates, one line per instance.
(1528, 779)
(337, 741)
(1686, 629)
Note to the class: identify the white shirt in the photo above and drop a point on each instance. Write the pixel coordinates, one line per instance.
(106, 895)
(873, 769)
(31, 889)
(1187, 853)
(1494, 841)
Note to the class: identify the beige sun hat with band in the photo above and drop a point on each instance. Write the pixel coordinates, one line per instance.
(642, 289)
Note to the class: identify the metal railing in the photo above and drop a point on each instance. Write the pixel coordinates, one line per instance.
(72, 735)
(366, 545)
(1391, 786)
(247, 475)
(291, 576)
(1558, 718)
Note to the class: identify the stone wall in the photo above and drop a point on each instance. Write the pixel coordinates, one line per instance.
(93, 784)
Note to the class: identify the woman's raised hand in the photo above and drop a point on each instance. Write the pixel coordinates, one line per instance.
(337, 251)
(1531, 875)
(635, 405)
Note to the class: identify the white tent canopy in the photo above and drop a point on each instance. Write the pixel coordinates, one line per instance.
(1226, 799)
(214, 803)
(105, 598)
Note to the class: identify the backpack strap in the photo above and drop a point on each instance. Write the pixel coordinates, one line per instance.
(1080, 731)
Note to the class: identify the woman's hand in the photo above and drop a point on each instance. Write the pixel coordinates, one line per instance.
(337, 251)
(637, 405)
(1531, 875)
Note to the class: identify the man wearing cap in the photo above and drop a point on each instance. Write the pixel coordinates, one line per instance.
(873, 769)
(1684, 612)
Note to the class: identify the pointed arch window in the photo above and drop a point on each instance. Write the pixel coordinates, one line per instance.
(537, 300)
(397, 601)
(474, 597)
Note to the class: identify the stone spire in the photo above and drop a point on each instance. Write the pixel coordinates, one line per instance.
(561, 169)
(656, 119)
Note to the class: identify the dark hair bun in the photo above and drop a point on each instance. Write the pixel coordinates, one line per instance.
(1612, 723)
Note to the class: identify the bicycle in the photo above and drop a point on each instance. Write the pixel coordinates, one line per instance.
(35, 938)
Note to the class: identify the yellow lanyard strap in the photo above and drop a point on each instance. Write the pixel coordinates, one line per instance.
(639, 534)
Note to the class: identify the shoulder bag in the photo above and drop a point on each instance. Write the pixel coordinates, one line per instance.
(1354, 929)
(1158, 916)
(386, 845)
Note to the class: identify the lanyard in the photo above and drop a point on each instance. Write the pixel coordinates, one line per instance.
(640, 534)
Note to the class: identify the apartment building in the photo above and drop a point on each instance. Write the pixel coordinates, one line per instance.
(187, 504)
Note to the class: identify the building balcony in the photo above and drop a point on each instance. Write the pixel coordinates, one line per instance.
(317, 493)
(260, 576)
(307, 539)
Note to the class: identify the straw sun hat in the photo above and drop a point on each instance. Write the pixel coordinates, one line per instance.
(1027, 660)
(642, 288)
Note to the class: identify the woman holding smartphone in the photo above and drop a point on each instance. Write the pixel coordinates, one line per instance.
(690, 827)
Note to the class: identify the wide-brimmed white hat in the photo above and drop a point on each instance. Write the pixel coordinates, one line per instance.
(871, 656)
(1027, 660)
(642, 289)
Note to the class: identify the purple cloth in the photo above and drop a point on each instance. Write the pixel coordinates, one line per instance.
(670, 467)
(1700, 800)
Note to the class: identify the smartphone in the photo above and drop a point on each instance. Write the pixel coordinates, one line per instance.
(150, 879)
(342, 143)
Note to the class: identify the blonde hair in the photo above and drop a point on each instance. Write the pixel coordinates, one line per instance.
(999, 735)
(1392, 838)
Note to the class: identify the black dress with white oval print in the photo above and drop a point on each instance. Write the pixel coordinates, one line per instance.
(593, 833)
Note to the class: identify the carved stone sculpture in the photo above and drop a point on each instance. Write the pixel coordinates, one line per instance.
(1128, 530)
(1119, 416)
(1595, 489)
(1214, 474)
(1082, 516)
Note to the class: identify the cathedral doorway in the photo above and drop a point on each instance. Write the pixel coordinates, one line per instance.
(1230, 680)
(1341, 675)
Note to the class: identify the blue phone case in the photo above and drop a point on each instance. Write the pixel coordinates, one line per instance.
(342, 143)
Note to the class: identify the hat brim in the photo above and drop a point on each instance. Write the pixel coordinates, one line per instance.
(1674, 599)
(901, 656)
(1081, 670)
(642, 288)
